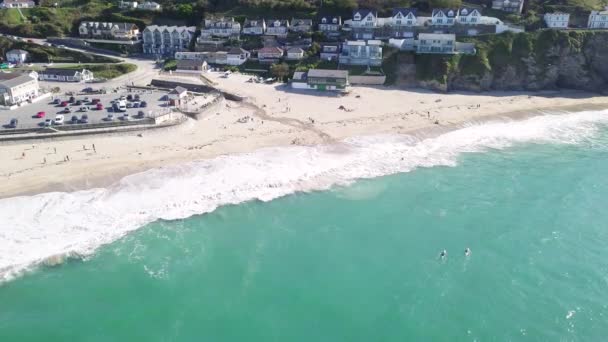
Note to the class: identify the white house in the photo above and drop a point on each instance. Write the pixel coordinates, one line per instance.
(403, 17)
(65, 75)
(557, 20)
(598, 19)
(237, 56)
(16, 88)
(330, 25)
(300, 25)
(357, 52)
(128, 4)
(223, 27)
(17, 56)
(149, 6)
(166, 40)
(106, 30)
(277, 27)
(444, 17)
(469, 16)
(364, 18)
(295, 53)
(18, 4)
(513, 6)
(441, 43)
(254, 27)
(330, 51)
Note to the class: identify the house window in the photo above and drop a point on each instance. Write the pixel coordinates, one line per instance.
(439, 21)
(370, 18)
(398, 22)
(357, 17)
(450, 21)
(473, 20)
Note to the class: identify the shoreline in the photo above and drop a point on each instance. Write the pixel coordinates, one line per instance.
(239, 128)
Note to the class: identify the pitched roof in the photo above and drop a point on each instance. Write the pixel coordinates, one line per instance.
(327, 73)
(16, 80)
(467, 11)
(296, 22)
(237, 51)
(445, 11)
(295, 50)
(179, 29)
(18, 51)
(270, 50)
(363, 13)
(329, 19)
(404, 11)
(60, 72)
(282, 22)
(254, 23)
(178, 90)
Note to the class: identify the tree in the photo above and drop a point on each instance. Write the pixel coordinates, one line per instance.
(185, 10)
(445, 3)
(280, 71)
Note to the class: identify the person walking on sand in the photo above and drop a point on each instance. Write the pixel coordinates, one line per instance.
(44, 160)
(22, 155)
(55, 148)
(94, 148)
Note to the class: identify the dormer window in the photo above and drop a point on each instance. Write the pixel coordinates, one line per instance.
(277, 23)
(324, 20)
(464, 12)
(335, 20)
(398, 16)
(357, 16)
(450, 13)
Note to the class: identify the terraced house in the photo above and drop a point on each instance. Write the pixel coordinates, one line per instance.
(166, 40)
(444, 16)
(108, 30)
(361, 53)
(254, 27)
(277, 27)
(222, 27)
(330, 25)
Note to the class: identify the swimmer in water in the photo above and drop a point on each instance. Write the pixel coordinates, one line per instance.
(443, 254)
(467, 251)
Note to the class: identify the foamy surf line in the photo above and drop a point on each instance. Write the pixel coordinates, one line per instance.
(51, 226)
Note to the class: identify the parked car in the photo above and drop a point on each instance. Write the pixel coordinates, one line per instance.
(13, 123)
(74, 119)
(136, 104)
(129, 97)
(87, 90)
(84, 109)
(125, 117)
(79, 103)
(84, 119)
(64, 104)
(122, 106)
(129, 104)
(86, 99)
(40, 115)
(56, 101)
(67, 110)
(72, 99)
(95, 101)
(136, 97)
(59, 119)
(48, 122)
(99, 106)
(140, 114)
(143, 104)
(110, 117)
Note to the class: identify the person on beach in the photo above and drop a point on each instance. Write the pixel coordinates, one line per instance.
(94, 148)
(443, 254)
(467, 251)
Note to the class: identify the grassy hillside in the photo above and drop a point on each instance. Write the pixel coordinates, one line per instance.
(42, 54)
(107, 71)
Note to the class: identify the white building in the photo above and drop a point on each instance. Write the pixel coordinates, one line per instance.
(557, 20)
(513, 6)
(330, 25)
(18, 4)
(237, 56)
(403, 17)
(65, 75)
(598, 19)
(149, 6)
(444, 17)
(295, 53)
(301, 25)
(17, 88)
(364, 18)
(469, 16)
(17, 56)
(128, 4)
(223, 27)
(254, 27)
(166, 40)
(277, 27)
(357, 52)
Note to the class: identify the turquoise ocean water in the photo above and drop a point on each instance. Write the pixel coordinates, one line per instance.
(356, 262)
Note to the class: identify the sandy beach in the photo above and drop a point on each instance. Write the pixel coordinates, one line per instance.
(274, 115)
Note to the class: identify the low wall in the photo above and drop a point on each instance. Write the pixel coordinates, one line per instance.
(197, 88)
(367, 80)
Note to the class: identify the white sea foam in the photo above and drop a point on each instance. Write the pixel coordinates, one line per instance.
(49, 226)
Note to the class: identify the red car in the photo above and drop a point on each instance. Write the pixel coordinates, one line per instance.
(95, 101)
(64, 104)
(99, 106)
(40, 115)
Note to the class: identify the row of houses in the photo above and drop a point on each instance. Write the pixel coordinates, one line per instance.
(145, 6)
(17, 4)
(230, 28)
(108, 30)
(560, 20)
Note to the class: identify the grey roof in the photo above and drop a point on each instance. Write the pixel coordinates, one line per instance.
(16, 80)
(327, 73)
(296, 22)
(60, 72)
(237, 51)
(445, 11)
(254, 23)
(295, 49)
(181, 63)
(19, 51)
(178, 90)
(281, 22)
(364, 12)
(404, 11)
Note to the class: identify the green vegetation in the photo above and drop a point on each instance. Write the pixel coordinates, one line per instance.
(279, 70)
(44, 54)
(170, 65)
(107, 71)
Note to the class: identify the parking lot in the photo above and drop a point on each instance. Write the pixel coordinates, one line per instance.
(26, 115)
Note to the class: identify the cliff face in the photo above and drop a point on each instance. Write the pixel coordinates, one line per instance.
(527, 61)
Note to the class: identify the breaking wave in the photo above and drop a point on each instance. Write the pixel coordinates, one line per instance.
(51, 227)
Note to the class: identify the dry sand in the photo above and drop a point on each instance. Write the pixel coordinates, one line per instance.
(274, 116)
